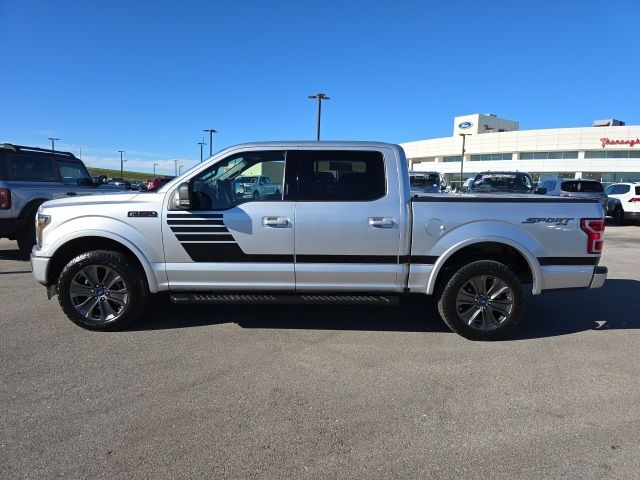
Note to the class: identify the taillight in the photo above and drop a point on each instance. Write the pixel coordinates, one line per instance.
(594, 228)
(634, 200)
(5, 198)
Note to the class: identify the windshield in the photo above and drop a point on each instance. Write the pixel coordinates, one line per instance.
(502, 182)
(426, 180)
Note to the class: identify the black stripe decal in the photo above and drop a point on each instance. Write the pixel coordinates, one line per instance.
(195, 222)
(545, 261)
(199, 229)
(194, 215)
(422, 259)
(390, 259)
(189, 237)
(505, 199)
(229, 252)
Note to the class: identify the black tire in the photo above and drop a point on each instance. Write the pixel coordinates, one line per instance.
(618, 215)
(490, 316)
(123, 304)
(27, 238)
(256, 195)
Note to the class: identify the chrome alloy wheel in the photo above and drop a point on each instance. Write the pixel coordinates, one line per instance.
(484, 302)
(99, 293)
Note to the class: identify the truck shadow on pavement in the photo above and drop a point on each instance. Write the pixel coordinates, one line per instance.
(614, 306)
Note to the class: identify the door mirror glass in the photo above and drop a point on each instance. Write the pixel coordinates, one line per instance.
(182, 197)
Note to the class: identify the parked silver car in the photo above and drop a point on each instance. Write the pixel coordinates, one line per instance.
(577, 188)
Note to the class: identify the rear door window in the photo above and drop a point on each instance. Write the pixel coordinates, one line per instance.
(35, 168)
(581, 186)
(340, 175)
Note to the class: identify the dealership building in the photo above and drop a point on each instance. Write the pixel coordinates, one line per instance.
(609, 151)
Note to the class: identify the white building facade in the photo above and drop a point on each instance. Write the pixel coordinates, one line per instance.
(606, 153)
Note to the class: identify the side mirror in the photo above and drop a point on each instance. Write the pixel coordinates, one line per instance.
(182, 197)
(541, 191)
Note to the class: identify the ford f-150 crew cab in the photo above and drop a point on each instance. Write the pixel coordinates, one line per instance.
(344, 229)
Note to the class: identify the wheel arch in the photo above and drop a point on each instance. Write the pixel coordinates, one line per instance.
(526, 264)
(69, 248)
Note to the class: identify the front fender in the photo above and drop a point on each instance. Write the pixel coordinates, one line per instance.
(481, 232)
(127, 236)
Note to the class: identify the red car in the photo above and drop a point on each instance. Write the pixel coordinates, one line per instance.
(156, 183)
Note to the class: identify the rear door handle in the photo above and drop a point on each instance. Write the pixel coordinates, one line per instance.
(275, 222)
(381, 222)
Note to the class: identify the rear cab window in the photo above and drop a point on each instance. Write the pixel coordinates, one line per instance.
(506, 182)
(578, 186)
(339, 175)
(424, 180)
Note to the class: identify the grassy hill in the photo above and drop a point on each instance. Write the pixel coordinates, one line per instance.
(96, 172)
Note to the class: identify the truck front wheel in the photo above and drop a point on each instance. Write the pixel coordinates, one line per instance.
(482, 301)
(102, 290)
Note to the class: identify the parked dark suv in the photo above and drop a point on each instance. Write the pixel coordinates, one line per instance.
(501, 182)
(30, 176)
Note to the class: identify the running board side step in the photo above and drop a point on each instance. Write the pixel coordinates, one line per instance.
(296, 299)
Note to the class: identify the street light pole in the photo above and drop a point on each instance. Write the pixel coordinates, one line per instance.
(154, 168)
(202, 144)
(53, 144)
(211, 132)
(320, 97)
(121, 165)
(464, 137)
(175, 164)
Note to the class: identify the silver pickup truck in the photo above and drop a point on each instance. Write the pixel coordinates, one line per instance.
(345, 229)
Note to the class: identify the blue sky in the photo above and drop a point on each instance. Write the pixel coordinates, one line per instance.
(147, 77)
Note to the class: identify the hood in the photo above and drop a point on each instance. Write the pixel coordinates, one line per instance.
(92, 200)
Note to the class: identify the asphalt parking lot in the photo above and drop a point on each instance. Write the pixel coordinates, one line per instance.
(323, 392)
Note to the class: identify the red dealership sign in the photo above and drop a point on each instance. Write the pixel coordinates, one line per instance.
(614, 141)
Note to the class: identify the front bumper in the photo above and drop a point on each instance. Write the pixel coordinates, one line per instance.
(39, 266)
(10, 226)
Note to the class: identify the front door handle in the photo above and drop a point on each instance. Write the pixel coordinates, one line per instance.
(381, 222)
(275, 222)
(71, 194)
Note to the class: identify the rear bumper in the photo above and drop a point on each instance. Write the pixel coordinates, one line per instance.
(632, 215)
(10, 226)
(561, 277)
(599, 276)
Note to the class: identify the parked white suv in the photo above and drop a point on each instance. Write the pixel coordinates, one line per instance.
(624, 201)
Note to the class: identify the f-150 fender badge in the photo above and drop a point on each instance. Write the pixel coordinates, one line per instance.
(142, 214)
(555, 221)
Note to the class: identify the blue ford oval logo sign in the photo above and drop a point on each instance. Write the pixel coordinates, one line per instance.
(464, 125)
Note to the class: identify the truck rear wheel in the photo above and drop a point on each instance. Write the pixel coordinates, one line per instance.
(102, 290)
(482, 301)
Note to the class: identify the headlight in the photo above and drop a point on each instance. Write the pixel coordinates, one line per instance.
(41, 222)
